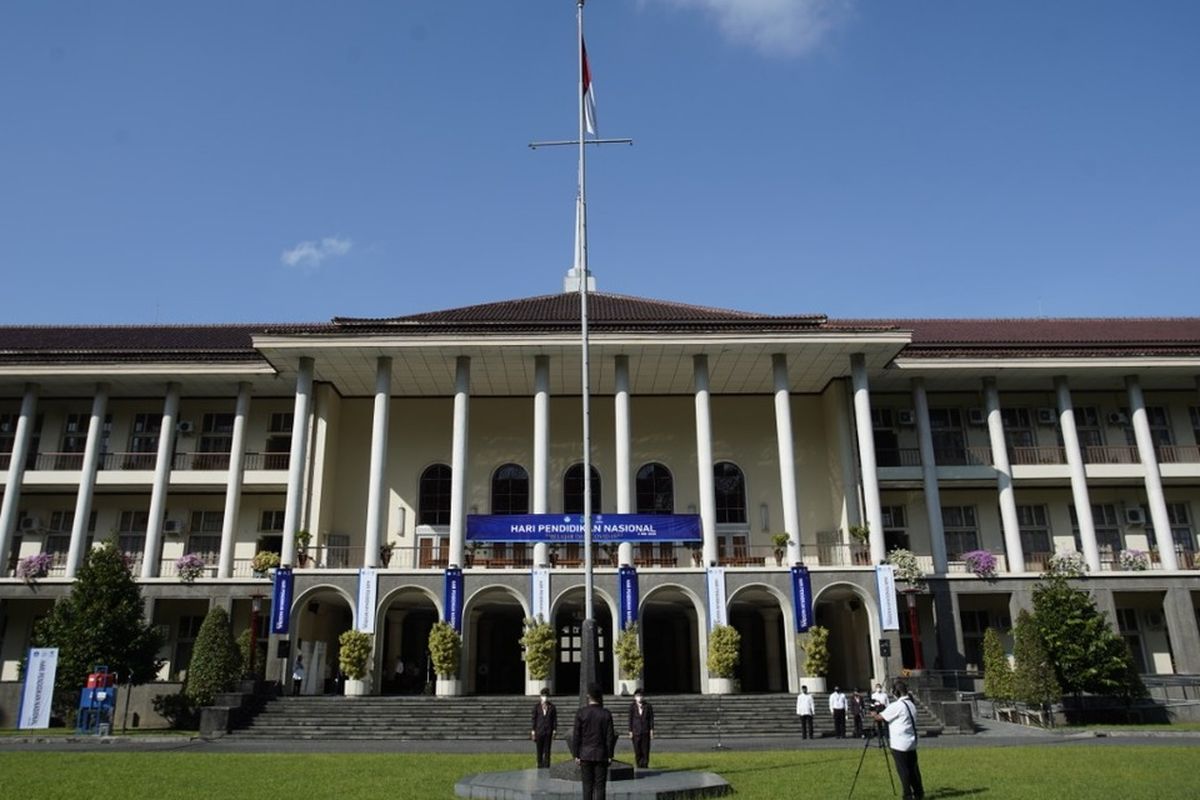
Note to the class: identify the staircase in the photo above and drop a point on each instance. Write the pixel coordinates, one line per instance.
(494, 718)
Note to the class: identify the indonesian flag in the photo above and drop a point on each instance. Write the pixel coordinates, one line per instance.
(589, 97)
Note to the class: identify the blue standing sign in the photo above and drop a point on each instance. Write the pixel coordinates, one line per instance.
(802, 598)
(628, 582)
(281, 600)
(454, 597)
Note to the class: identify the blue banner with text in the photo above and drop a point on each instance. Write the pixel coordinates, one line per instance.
(802, 598)
(281, 600)
(454, 597)
(628, 582)
(569, 527)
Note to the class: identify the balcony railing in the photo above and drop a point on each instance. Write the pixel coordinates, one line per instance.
(1110, 454)
(1037, 455)
(898, 457)
(975, 456)
(1179, 453)
(136, 461)
(59, 461)
(267, 461)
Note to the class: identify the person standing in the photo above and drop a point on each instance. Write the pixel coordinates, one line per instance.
(641, 728)
(856, 711)
(805, 708)
(880, 698)
(594, 743)
(297, 675)
(901, 718)
(543, 727)
(837, 707)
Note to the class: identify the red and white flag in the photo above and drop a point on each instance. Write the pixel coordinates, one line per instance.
(589, 96)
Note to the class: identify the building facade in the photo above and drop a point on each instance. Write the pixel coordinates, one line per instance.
(380, 437)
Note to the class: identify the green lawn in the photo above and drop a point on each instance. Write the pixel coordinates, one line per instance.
(1049, 771)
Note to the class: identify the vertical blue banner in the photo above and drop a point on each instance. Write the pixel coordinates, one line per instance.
(628, 583)
(281, 600)
(802, 598)
(454, 597)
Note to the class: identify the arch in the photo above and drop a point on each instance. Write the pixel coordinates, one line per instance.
(762, 614)
(403, 619)
(573, 489)
(566, 673)
(320, 614)
(674, 626)
(654, 489)
(493, 621)
(729, 485)
(848, 611)
(433, 495)
(510, 489)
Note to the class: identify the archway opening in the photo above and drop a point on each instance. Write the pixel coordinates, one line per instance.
(568, 649)
(321, 617)
(758, 617)
(670, 643)
(840, 609)
(496, 621)
(409, 615)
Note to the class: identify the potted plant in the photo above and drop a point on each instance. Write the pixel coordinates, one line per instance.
(860, 537)
(354, 657)
(1066, 564)
(303, 537)
(30, 568)
(1133, 560)
(815, 645)
(697, 556)
(780, 541)
(445, 650)
(724, 652)
(385, 553)
(908, 568)
(629, 659)
(982, 563)
(263, 561)
(472, 549)
(189, 567)
(538, 644)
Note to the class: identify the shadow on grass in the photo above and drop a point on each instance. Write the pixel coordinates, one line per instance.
(950, 791)
(708, 766)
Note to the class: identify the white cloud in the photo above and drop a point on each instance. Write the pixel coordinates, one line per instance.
(309, 255)
(773, 27)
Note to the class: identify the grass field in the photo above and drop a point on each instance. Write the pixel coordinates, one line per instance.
(1049, 771)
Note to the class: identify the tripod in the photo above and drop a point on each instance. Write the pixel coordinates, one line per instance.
(886, 761)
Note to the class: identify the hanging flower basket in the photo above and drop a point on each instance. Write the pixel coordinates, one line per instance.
(263, 561)
(982, 563)
(908, 568)
(30, 568)
(189, 567)
(1066, 564)
(1133, 560)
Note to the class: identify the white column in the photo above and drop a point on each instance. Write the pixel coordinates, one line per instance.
(376, 486)
(1154, 490)
(152, 552)
(1013, 551)
(866, 455)
(929, 473)
(787, 456)
(624, 467)
(541, 449)
(296, 466)
(1079, 489)
(704, 459)
(87, 480)
(233, 491)
(11, 505)
(458, 460)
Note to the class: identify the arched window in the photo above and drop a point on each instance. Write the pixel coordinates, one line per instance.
(573, 490)
(510, 490)
(433, 497)
(729, 485)
(655, 490)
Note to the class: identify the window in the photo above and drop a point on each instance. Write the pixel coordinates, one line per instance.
(655, 490)
(1181, 527)
(895, 525)
(279, 440)
(1018, 429)
(1127, 623)
(131, 533)
(962, 535)
(433, 501)
(58, 535)
(189, 629)
(729, 485)
(216, 440)
(271, 521)
(8, 438)
(949, 439)
(573, 490)
(1108, 530)
(1160, 427)
(337, 550)
(510, 490)
(975, 623)
(1035, 531)
(74, 441)
(205, 535)
(887, 440)
(143, 442)
(1091, 435)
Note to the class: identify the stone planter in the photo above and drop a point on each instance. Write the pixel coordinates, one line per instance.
(721, 686)
(533, 687)
(448, 687)
(815, 685)
(627, 686)
(357, 688)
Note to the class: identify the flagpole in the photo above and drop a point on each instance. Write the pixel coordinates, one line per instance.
(589, 610)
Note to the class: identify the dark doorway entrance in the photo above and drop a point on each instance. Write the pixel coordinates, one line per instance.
(496, 623)
(757, 617)
(568, 628)
(405, 667)
(840, 610)
(670, 643)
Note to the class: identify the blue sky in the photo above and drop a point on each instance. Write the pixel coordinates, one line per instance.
(266, 161)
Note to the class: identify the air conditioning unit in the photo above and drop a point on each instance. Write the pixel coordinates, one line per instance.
(906, 417)
(1118, 418)
(1135, 515)
(30, 524)
(173, 527)
(186, 427)
(1047, 416)
(976, 416)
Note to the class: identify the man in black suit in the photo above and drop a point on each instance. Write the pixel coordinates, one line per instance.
(594, 743)
(641, 728)
(543, 727)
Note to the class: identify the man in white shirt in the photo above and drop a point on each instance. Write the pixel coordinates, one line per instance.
(901, 717)
(805, 709)
(837, 707)
(880, 698)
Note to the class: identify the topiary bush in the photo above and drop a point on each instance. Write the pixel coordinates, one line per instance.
(538, 643)
(216, 663)
(997, 674)
(354, 654)
(445, 649)
(815, 645)
(1033, 681)
(724, 651)
(629, 653)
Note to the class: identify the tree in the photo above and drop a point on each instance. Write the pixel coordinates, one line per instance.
(997, 675)
(1088, 656)
(724, 651)
(216, 663)
(1033, 681)
(101, 622)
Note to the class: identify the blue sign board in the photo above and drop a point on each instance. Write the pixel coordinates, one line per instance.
(454, 597)
(281, 600)
(802, 598)
(628, 581)
(569, 527)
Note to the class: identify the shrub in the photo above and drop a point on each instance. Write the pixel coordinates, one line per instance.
(538, 642)
(629, 652)
(260, 657)
(815, 645)
(354, 654)
(1033, 681)
(997, 674)
(908, 569)
(216, 664)
(724, 651)
(981, 562)
(445, 649)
